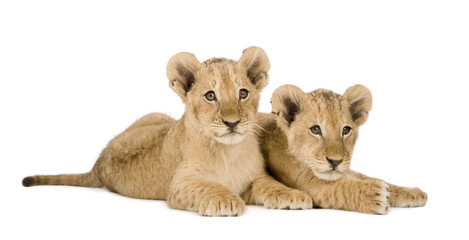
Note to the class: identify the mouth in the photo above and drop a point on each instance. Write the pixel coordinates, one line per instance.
(329, 175)
(325, 171)
(231, 137)
(231, 132)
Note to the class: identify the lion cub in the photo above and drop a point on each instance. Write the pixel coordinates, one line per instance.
(308, 143)
(204, 162)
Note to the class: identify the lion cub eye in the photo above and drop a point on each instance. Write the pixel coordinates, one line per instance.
(346, 130)
(316, 130)
(243, 94)
(210, 96)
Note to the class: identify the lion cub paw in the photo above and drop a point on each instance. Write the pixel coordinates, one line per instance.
(407, 197)
(375, 197)
(288, 199)
(221, 206)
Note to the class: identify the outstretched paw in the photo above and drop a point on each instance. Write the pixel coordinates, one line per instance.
(221, 205)
(375, 198)
(407, 197)
(288, 199)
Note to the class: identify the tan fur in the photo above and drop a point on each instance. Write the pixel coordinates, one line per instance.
(299, 158)
(198, 163)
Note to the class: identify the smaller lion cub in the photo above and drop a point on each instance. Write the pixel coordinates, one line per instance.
(209, 161)
(308, 143)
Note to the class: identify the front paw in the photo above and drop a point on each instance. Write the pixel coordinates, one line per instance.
(223, 205)
(407, 197)
(374, 197)
(288, 199)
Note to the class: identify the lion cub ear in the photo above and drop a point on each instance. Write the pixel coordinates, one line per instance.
(181, 71)
(286, 102)
(359, 100)
(257, 64)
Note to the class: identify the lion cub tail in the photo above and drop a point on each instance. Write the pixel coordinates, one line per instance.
(81, 180)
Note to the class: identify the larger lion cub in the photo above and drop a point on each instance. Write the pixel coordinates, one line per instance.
(308, 143)
(204, 162)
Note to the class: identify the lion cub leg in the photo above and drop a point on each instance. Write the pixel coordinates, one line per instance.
(406, 197)
(205, 197)
(401, 196)
(351, 193)
(269, 192)
(367, 195)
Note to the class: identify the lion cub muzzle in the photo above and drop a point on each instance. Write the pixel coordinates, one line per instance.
(333, 162)
(231, 125)
(233, 131)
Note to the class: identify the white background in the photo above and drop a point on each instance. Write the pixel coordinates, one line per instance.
(76, 73)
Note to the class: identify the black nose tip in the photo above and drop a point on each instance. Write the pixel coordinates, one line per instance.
(231, 124)
(334, 163)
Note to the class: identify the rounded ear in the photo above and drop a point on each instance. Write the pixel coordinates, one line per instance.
(286, 102)
(257, 64)
(181, 71)
(359, 100)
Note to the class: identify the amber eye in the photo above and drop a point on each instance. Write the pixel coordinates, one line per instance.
(316, 130)
(243, 94)
(210, 96)
(346, 130)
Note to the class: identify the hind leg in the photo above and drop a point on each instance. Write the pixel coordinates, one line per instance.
(132, 172)
(134, 183)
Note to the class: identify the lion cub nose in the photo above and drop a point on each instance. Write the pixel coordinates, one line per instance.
(334, 163)
(231, 124)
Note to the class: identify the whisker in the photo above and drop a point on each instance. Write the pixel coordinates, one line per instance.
(257, 126)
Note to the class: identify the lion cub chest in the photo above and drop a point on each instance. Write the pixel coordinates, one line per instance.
(236, 166)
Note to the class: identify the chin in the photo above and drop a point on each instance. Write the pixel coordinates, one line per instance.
(329, 175)
(230, 138)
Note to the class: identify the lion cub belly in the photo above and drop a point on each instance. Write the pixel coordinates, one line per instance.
(237, 166)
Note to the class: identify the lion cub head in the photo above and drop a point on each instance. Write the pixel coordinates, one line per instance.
(322, 126)
(221, 95)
